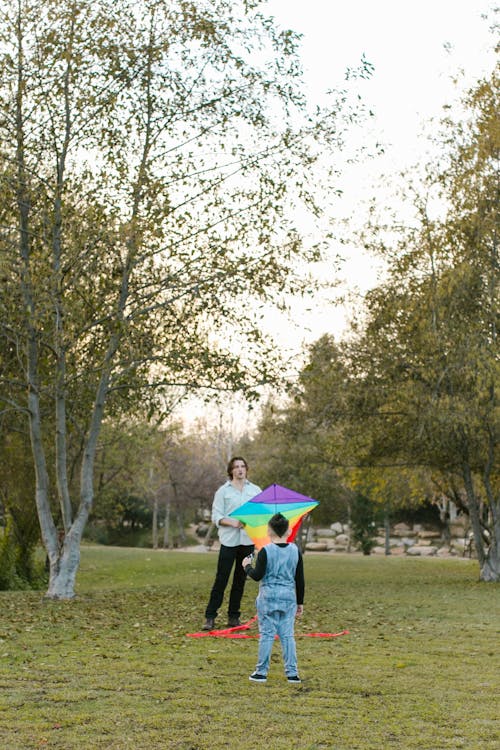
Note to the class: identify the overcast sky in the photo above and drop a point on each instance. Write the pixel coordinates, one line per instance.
(417, 49)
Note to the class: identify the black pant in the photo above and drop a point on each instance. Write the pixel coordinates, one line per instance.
(227, 557)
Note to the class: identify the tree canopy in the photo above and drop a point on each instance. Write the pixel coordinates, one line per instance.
(154, 157)
(407, 405)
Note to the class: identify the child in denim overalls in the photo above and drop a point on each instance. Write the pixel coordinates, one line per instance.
(280, 570)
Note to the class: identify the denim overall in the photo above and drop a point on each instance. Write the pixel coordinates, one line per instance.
(277, 607)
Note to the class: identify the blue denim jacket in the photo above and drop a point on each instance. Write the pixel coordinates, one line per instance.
(278, 584)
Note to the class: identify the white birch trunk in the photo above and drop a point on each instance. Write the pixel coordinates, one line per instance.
(490, 569)
(155, 522)
(166, 529)
(63, 571)
(56, 294)
(47, 526)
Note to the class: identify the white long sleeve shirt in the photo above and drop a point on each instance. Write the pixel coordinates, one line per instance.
(226, 499)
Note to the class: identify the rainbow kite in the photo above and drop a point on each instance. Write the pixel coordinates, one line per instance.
(256, 513)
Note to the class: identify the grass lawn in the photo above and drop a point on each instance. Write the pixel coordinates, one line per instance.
(114, 670)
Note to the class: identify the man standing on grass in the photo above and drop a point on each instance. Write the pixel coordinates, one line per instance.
(235, 544)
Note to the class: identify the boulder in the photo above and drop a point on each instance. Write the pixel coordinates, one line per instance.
(337, 528)
(398, 550)
(408, 541)
(459, 525)
(429, 534)
(427, 551)
(396, 542)
(443, 552)
(414, 551)
(342, 539)
(316, 546)
(402, 529)
(458, 531)
(202, 529)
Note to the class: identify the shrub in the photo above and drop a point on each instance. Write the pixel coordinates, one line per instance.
(363, 524)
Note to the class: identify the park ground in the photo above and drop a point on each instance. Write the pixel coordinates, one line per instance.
(114, 669)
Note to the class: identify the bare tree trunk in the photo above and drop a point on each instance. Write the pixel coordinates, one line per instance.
(56, 293)
(387, 530)
(61, 445)
(166, 528)
(301, 538)
(180, 527)
(152, 489)
(155, 521)
(63, 572)
(208, 536)
(490, 570)
(348, 548)
(445, 511)
(474, 515)
(179, 516)
(47, 526)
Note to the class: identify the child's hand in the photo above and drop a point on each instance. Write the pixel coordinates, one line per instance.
(300, 610)
(247, 561)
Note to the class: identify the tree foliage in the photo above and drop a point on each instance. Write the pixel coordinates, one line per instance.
(429, 349)
(302, 443)
(20, 534)
(405, 410)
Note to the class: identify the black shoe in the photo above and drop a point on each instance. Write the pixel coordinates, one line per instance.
(233, 622)
(256, 677)
(294, 678)
(209, 624)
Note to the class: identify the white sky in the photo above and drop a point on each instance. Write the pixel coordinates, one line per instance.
(417, 48)
(404, 40)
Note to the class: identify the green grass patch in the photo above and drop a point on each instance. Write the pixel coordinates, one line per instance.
(114, 670)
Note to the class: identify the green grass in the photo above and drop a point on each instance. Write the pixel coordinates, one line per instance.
(114, 669)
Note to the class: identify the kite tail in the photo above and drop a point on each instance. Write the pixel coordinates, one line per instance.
(236, 632)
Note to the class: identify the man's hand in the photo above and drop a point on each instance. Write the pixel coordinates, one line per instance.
(300, 610)
(246, 561)
(232, 522)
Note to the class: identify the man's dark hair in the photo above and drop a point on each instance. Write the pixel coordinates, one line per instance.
(231, 464)
(279, 524)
